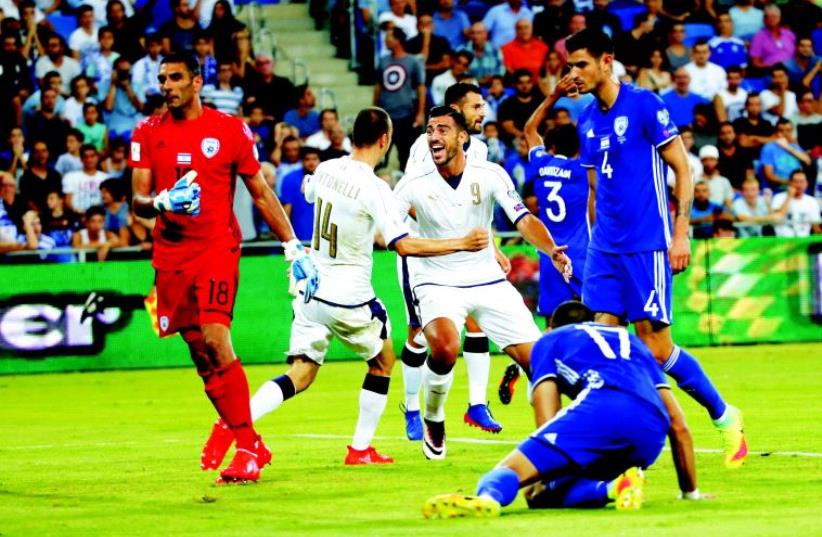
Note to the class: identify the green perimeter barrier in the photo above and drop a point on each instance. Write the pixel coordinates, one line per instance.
(736, 291)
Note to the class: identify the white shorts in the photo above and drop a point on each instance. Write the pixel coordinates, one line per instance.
(362, 328)
(497, 307)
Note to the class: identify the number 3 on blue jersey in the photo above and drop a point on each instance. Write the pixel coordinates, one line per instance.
(606, 169)
(554, 197)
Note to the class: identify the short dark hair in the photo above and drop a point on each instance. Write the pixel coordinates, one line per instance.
(798, 170)
(85, 8)
(399, 35)
(700, 42)
(726, 124)
(734, 69)
(466, 54)
(456, 92)
(95, 210)
(290, 138)
(77, 134)
(441, 111)
(189, 60)
(325, 111)
(88, 147)
(564, 140)
(778, 67)
(596, 42)
(520, 73)
(104, 29)
(571, 312)
(371, 123)
(308, 150)
(115, 187)
(154, 37)
(783, 121)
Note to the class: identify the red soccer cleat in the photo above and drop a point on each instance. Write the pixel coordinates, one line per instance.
(242, 468)
(368, 455)
(217, 446)
(262, 451)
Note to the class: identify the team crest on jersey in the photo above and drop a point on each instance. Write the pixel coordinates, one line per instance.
(621, 125)
(514, 195)
(210, 147)
(663, 117)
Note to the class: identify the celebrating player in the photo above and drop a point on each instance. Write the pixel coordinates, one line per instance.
(467, 99)
(190, 156)
(591, 452)
(457, 195)
(350, 204)
(627, 138)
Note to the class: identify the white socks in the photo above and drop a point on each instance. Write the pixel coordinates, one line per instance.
(436, 393)
(372, 405)
(268, 398)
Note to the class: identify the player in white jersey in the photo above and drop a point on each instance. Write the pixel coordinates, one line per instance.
(350, 205)
(455, 196)
(466, 99)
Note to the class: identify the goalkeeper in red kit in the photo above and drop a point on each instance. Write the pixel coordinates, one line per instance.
(190, 157)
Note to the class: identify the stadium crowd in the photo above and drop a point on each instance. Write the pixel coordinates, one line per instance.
(741, 78)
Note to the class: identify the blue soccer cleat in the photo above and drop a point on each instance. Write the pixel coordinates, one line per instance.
(413, 424)
(480, 416)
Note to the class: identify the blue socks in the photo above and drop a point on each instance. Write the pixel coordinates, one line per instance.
(688, 374)
(501, 484)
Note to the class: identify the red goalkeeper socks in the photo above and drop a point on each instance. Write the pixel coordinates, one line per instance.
(227, 388)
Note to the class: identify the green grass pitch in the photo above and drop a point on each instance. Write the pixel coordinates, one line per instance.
(117, 453)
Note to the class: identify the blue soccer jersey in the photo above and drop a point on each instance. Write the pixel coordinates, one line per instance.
(622, 145)
(590, 356)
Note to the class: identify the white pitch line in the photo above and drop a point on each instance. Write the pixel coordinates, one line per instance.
(317, 436)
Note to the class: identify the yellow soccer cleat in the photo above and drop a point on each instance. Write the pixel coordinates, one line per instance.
(457, 505)
(733, 438)
(628, 493)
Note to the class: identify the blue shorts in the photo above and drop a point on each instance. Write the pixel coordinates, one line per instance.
(553, 290)
(602, 433)
(634, 285)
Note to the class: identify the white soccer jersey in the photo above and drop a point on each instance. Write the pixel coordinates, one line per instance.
(420, 154)
(444, 212)
(350, 204)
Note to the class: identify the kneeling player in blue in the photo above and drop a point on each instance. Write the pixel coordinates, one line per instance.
(591, 452)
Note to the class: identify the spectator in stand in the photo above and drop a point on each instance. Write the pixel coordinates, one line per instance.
(14, 158)
(46, 125)
(734, 162)
(496, 149)
(39, 178)
(434, 49)
(322, 138)
(779, 101)
(83, 40)
(400, 91)
(632, 47)
(707, 78)
(677, 52)
(145, 70)
(304, 116)
(243, 61)
(70, 160)
(115, 164)
(551, 23)
(551, 72)
(514, 111)
(178, 33)
(262, 129)
(12, 206)
(705, 213)
(805, 68)
(13, 9)
(501, 19)
(457, 73)
(80, 95)
(99, 65)
(93, 131)
(681, 101)
(752, 129)
(782, 157)
(494, 97)
(128, 29)
(274, 93)
(802, 213)
(94, 236)
(289, 159)
(225, 96)
(602, 19)
(451, 24)
(576, 24)
(729, 104)
(33, 237)
(296, 207)
(772, 44)
(808, 123)
(524, 51)
(59, 223)
(208, 64)
(719, 187)
(222, 28)
(705, 125)
(727, 50)
(122, 102)
(82, 188)
(487, 61)
(752, 210)
(654, 75)
(15, 82)
(32, 104)
(747, 19)
(113, 198)
(56, 60)
(340, 144)
(686, 133)
(397, 17)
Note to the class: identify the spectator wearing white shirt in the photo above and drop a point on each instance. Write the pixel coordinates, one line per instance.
(707, 79)
(80, 95)
(83, 41)
(721, 192)
(779, 101)
(729, 104)
(802, 215)
(56, 60)
(145, 70)
(12, 10)
(82, 188)
(224, 97)
(397, 17)
(99, 65)
(752, 210)
(322, 138)
(500, 21)
(458, 72)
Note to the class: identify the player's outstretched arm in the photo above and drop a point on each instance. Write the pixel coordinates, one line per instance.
(682, 444)
(675, 155)
(476, 240)
(537, 119)
(535, 232)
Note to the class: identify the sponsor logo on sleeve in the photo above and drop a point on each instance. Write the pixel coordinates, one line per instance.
(663, 117)
(135, 151)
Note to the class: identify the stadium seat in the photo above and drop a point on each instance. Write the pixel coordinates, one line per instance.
(626, 10)
(64, 25)
(755, 85)
(694, 31)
